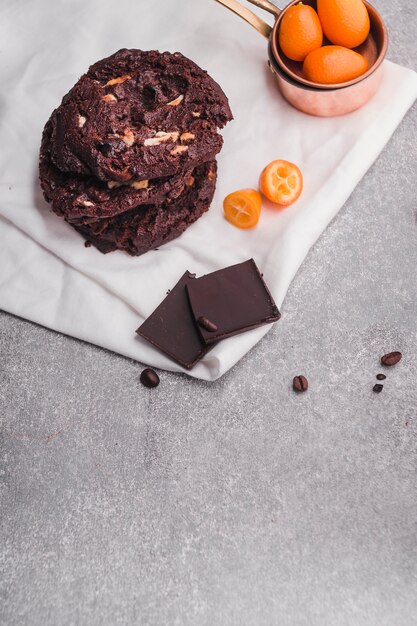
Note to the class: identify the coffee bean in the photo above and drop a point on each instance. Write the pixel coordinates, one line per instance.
(378, 388)
(149, 378)
(391, 358)
(300, 383)
(207, 324)
(380, 377)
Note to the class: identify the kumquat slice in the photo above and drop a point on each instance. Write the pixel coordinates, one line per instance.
(281, 182)
(242, 208)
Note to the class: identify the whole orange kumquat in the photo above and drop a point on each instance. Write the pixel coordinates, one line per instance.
(334, 64)
(345, 22)
(300, 32)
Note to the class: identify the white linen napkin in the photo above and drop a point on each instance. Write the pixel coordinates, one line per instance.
(46, 273)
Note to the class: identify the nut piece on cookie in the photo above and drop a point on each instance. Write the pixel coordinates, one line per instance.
(179, 149)
(187, 137)
(109, 97)
(176, 102)
(81, 121)
(161, 137)
(139, 184)
(113, 184)
(128, 137)
(118, 80)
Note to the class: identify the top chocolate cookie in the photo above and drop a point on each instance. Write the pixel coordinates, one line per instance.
(137, 115)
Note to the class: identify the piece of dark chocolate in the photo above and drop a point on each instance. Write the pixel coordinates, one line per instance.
(171, 327)
(234, 299)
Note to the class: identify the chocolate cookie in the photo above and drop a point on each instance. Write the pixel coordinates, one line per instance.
(149, 226)
(74, 196)
(139, 115)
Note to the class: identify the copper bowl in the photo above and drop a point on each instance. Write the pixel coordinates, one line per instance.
(317, 98)
(326, 102)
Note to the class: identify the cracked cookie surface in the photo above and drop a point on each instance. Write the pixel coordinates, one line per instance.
(139, 115)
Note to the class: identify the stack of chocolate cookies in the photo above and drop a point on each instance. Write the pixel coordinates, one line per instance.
(128, 158)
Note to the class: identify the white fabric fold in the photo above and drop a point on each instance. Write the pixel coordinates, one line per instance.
(46, 273)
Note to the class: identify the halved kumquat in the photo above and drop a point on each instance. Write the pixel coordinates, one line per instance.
(281, 182)
(242, 208)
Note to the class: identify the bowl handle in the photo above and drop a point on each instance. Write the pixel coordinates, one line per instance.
(267, 6)
(250, 17)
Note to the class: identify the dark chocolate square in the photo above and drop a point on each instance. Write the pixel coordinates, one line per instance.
(171, 327)
(232, 300)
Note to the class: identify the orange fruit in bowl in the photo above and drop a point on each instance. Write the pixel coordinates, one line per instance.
(300, 32)
(334, 64)
(344, 22)
(281, 182)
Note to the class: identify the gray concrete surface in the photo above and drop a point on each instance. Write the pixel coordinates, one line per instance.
(238, 502)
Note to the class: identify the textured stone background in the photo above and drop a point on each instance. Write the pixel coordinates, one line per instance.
(236, 502)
